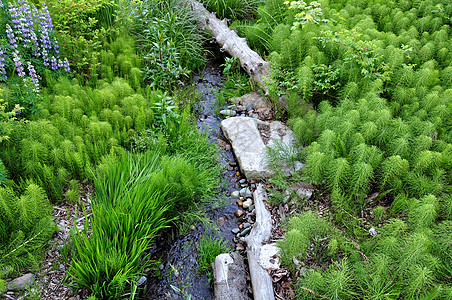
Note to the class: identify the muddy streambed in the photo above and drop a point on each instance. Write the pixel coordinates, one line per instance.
(179, 276)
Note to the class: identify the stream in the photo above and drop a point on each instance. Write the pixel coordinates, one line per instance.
(179, 276)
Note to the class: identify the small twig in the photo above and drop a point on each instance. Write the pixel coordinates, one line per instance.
(366, 260)
(340, 268)
(314, 293)
(80, 219)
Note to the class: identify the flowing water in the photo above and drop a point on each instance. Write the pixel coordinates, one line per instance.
(180, 278)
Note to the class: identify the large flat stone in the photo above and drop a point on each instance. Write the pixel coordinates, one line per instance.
(249, 138)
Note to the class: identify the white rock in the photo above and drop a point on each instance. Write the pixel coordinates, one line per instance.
(269, 256)
(247, 203)
(249, 144)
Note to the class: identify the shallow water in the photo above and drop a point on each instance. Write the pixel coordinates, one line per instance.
(180, 278)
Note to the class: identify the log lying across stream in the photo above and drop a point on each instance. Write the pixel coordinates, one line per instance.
(231, 43)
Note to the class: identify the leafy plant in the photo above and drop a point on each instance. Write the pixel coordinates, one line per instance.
(231, 9)
(209, 248)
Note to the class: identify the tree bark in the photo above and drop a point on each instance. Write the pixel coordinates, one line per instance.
(229, 277)
(230, 42)
(260, 278)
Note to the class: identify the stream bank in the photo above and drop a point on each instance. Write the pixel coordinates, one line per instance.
(179, 276)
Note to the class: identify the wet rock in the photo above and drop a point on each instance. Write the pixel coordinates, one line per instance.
(235, 194)
(22, 282)
(253, 185)
(249, 107)
(251, 208)
(247, 203)
(220, 221)
(239, 247)
(245, 192)
(242, 181)
(239, 202)
(233, 164)
(253, 98)
(246, 225)
(235, 230)
(238, 213)
(228, 112)
(245, 231)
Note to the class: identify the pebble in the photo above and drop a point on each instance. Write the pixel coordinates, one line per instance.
(228, 112)
(239, 247)
(235, 194)
(230, 169)
(249, 107)
(220, 221)
(245, 231)
(235, 230)
(238, 213)
(239, 202)
(245, 192)
(242, 181)
(247, 203)
(227, 147)
(246, 225)
(253, 186)
(241, 226)
(255, 116)
(237, 174)
(243, 115)
(233, 164)
(251, 208)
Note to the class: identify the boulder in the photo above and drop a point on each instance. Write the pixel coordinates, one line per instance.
(249, 137)
(22, 282)
(252, 101)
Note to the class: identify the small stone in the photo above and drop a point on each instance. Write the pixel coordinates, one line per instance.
(253, 186)
(237, 174)
(230, 169)
(235, 230)
(247, 203)
(239, 202)
(245, 192)
(255, 116)
(227, 147)
(246, 231)
(241, 226)
(235, 194)
(249, 107)
(251, 208)
(239, 108)
(243, 115)
(238, 213)
(228, 112)
(246, 225)
(242, 181)
(233, 164)
(241, 198)
(239, 247)
(22, 282)
(220, 221)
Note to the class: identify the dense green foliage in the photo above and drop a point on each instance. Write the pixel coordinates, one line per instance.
(209, 248)
(25, 227)
(232, 9)
(378, 74)
(170, 42)
(136, 196)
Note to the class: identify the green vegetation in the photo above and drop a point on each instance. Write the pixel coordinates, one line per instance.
(105, 123)
(232, 9)
(208, 249)
(378, 141)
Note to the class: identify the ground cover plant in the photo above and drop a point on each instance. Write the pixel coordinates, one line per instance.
(96, 123)
(378, 141)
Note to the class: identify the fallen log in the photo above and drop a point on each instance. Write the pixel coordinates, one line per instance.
(229, 277)
(231, 43)
(260, 278)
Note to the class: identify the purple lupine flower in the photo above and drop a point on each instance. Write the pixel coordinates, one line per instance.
(1, 4)
(11, 37)
(54, 63)
(33, 76)
(18, 64)
(3, 76)
(67, 67)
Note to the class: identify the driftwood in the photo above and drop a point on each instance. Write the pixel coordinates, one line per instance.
(231, 43)
(229, 277)
(260, 278)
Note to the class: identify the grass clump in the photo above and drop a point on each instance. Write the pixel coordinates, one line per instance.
(209, 248)
(232, 9)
